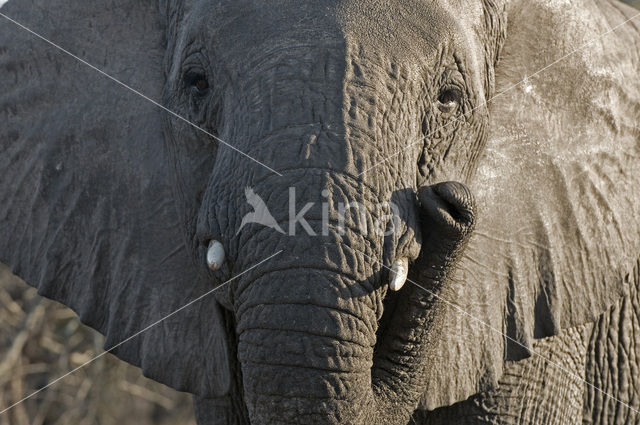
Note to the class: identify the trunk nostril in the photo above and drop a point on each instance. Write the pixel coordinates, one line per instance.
(458, 195)
(451, 198)
(460, 215)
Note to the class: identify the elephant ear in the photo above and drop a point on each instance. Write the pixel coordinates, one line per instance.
(558, 233)
(86, 210)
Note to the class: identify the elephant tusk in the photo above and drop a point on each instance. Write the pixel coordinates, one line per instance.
(215, 255)
(400, 269)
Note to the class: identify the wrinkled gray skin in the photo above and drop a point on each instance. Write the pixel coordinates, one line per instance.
(112, 214)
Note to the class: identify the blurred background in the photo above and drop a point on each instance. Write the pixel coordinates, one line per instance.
(41, 340)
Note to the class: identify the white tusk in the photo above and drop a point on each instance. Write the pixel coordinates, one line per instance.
(215, 255)
(400, 269)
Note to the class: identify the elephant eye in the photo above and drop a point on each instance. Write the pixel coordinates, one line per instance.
(197, 82)
(449, 99)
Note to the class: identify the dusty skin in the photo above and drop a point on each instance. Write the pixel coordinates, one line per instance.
(519, 214)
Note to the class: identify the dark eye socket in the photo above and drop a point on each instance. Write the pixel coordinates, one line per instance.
(449, 99)
(197, 81)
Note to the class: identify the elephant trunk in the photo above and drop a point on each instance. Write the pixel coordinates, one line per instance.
(309, 350)
(322, 340)
(306, 357)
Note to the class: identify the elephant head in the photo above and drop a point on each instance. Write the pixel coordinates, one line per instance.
(115, 188)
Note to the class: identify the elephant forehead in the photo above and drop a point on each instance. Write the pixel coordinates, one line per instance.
(409, 28)
(404, 29)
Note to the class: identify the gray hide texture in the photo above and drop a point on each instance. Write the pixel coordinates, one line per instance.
(557, 236)
(87, 212)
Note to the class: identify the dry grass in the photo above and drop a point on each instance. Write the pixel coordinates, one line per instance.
(41, 340)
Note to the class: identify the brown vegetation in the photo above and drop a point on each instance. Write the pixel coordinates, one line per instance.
(41, 340)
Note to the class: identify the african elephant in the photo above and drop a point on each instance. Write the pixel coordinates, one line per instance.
(504, 132)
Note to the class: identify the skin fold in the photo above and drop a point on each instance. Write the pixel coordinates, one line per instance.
(514, 201)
